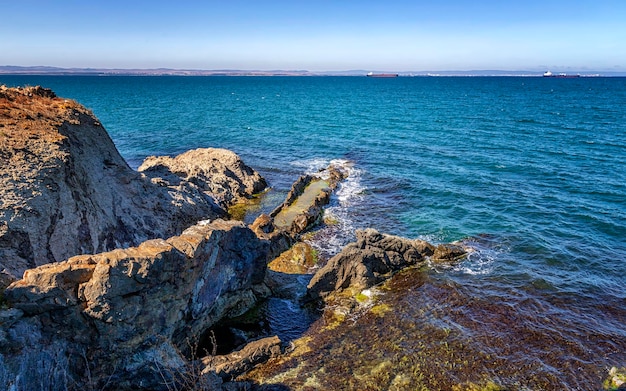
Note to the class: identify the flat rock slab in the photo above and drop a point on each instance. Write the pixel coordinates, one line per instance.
(286, 217)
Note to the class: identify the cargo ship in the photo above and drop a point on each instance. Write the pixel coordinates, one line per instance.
(372, 74)
(559, 75)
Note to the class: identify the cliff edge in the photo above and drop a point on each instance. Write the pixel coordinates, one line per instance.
(65, 189)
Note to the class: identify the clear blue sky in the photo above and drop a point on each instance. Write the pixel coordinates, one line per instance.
(398, 35)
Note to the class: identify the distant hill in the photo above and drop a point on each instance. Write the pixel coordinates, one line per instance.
(47, 70)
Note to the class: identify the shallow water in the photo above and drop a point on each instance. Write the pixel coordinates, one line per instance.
(530, 172)
(435, 334)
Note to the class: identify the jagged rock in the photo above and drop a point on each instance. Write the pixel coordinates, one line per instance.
(234, 364)
(370, 260)
(297, 188)
(307, 196)
(303, 206)
(301, 210)
(65, 189)
(279, 240)
(127, 306)
(218, 172)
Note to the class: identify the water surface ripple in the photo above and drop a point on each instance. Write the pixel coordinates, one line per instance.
(529, 171)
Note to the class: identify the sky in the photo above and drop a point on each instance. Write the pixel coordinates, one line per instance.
(320, 35)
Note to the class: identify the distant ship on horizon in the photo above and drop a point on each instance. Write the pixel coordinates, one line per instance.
(372, 74)
(559, 75)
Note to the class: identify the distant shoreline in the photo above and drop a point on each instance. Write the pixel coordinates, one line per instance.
(57, 71)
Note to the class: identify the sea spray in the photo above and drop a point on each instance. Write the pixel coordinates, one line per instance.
(339, 222)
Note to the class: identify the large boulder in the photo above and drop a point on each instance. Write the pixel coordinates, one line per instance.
(370, 260)
(65, 190)
(133, 311)
(215, 171)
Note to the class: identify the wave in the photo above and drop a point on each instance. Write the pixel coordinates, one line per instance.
(484, 252)
(339, 223)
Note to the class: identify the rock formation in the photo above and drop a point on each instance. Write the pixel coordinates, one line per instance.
(301, 210)
(218, 172)
(133, 310)
(65, 190)
(373, 258)
(158, 267)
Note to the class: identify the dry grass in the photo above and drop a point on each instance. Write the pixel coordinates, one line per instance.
(190, 376)
(34, 113)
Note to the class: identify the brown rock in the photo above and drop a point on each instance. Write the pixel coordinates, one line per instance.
(65, 189)
(218, 172)
(448, 253)
(125, 306)
(370, 260)
(299, 259)
(234, 364)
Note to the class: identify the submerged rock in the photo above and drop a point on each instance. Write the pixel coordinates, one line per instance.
(448, 252)
(65, 189)
(299, 259)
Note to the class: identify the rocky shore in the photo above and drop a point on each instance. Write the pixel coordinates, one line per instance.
(65, 190)
(118, 279)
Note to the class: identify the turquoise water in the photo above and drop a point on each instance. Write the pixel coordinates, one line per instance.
(531, 172)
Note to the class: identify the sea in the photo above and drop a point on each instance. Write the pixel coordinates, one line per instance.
(528, 172)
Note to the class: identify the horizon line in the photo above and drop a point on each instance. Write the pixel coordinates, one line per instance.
(164, 71)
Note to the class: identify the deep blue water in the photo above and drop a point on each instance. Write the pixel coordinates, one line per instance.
(531, 170)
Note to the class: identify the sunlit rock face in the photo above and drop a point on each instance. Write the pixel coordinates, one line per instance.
(373, 258)
(129, 307)
(65, 189)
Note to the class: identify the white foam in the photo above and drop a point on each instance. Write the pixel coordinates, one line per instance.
(476, 265)
(351, 190)
(481, 259)
(333, 237)
(311, 166)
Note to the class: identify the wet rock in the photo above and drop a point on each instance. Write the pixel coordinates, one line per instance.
(370, 260)
(234, 364)
(303, 207)
(448, 253)
(287, 285)
(297, 188)
(279, 240)
(66, 190)
(301, 210)
(299, 259)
